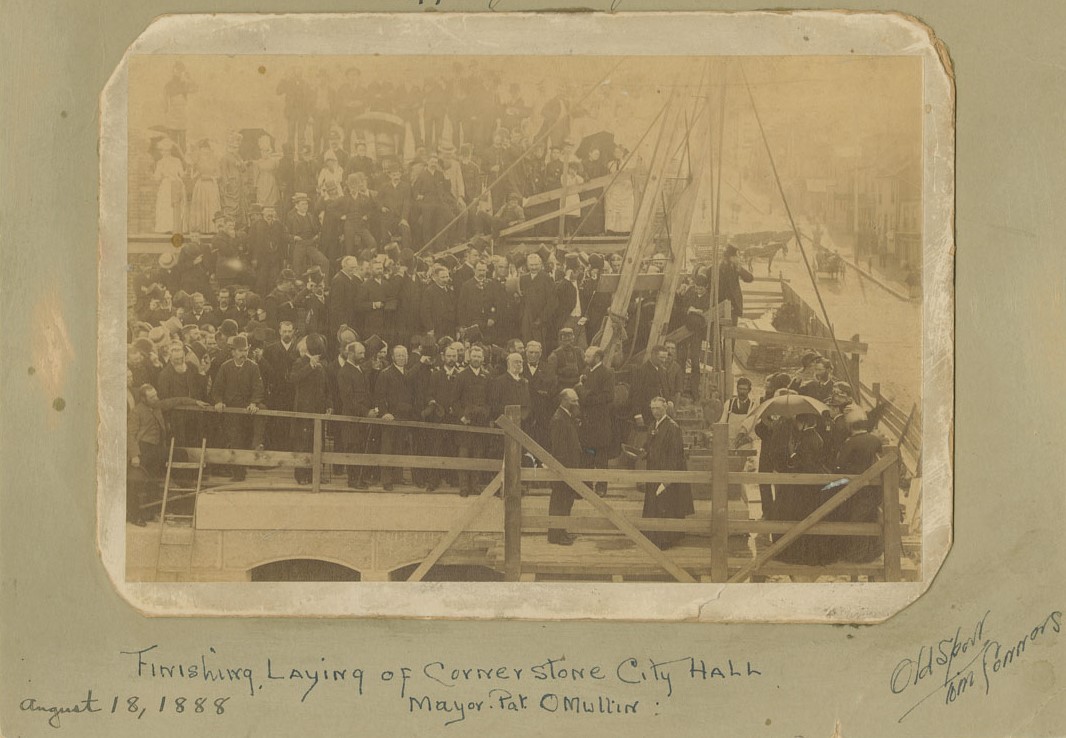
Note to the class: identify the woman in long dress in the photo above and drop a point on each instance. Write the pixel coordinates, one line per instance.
(170, 199)
(798, 450)
(205, 192)
(266, 174)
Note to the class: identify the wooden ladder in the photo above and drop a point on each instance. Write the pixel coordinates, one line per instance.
(177, 533)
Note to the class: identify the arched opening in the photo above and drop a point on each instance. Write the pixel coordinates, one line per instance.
(449, 573)
(304, 570)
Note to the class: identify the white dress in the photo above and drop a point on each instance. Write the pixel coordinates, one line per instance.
(619, 203)
(170, 200)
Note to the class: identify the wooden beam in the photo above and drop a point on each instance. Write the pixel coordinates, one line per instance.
(571, 477)
(557, 193)
(471, 514)
(585, 524)
(838, 499)
(644, 221)
(780, 527)
(792, 339)
(336, 418)
(525, 225)
(681, 217)
(720, 502)
(643, 282)
(247, 457)
(512, 499)
(893, 543)
(316, 457)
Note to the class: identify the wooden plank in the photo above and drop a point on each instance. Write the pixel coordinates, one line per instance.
(783, 478)
(571, 478)
(585, 524)
(827, 507)
(411, 462)
(446, 427)
(720, 502)
(818, 529)
(246, 457)
(316, 457)
(525, 225)
(512, 499)
(644, 282)
(549, 195)
(793, 339)
(644, 221)
(890, 507)
(619, 476)
(471, 514)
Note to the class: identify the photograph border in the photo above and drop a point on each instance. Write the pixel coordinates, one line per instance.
(814, 33)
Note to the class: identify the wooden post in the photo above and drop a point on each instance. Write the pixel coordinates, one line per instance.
(876, 389)
(720, 502)
(512, 499)
(890, 507)
(562, 199)
(316, 457)
(727, 367)
(853, 369)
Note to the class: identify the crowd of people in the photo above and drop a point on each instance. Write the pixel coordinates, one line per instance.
(463, 154)
(395, 337)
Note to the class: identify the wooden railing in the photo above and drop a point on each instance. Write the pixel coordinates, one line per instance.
(511, 477)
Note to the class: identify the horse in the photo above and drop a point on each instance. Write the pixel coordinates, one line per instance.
(766, 251)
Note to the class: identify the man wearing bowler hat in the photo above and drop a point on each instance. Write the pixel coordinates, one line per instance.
(238, 384)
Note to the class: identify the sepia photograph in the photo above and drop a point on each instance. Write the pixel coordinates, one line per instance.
(525, 318)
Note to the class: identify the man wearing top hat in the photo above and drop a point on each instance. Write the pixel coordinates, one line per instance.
(434, 200)
(395, 199)
(730, 274)
(360, 215)
(370, 302)
(238, 384)
(475, 305)
(268, 244)
(565, 446)
(303, 229)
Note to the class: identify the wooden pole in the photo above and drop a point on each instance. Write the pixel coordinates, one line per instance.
(316, 457)
(727, 359)
(890, 507)
(854, 365)
(562, 199)
(720, 502)
(512, 499)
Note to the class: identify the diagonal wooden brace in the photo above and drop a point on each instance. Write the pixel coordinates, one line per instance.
(572, 478)
(817, 516)
(469, 516)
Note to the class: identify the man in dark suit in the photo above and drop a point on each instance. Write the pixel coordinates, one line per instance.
(649, 381)
(395, 200)
(511, 388)
(596, 390)
(438, 304)
(441, 389)
(476, 305)
(278, 359)
(538, 300)
(665, 451)
(542, 392)
(395, 398)
(343, 294)
(372, 297)
(472, 407)
(465, 271)
(353, 388)
(565, 446)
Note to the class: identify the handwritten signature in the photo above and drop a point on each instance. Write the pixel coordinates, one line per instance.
(965, 661)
